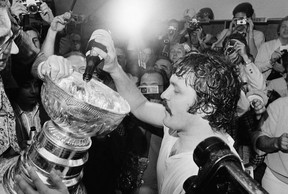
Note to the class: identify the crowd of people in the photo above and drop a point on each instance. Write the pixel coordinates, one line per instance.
(183, 86)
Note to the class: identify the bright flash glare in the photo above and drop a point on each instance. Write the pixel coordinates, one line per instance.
(131, 15)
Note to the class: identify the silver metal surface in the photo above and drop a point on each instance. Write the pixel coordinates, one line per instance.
(64, 141)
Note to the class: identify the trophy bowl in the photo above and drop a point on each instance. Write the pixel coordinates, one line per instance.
(80, 109)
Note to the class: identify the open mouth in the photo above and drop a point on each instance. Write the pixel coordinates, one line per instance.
(164, 102)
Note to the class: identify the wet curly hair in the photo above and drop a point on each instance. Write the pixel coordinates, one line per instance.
(217, 87)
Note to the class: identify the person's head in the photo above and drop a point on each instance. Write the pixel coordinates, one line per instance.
(202, 86)
(177, 51)
(152, 83)
(121, 57)
(34, 35)
(205, 14)
(7, 45)
(229, 48)
(242, 12)
(173, 23)
(27, 93)
(165, 64)
(76, 41)
(282, 29)
(77, 60)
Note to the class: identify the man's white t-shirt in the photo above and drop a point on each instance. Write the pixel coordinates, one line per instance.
(172, 171)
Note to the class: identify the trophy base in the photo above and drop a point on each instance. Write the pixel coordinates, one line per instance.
(9, 183)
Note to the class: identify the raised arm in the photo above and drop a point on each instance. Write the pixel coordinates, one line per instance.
(144, 110)
(57, 24)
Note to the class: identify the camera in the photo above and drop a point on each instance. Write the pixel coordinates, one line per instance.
(149, 89)
(282, 48)
(229, 49)
(241, 21)
(32, 6)
(171, 30)
(194, 24)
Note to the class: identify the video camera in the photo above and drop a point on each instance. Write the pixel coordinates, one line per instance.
(220, 171)
(32, 6)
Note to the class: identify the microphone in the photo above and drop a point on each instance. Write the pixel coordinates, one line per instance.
(93, 61)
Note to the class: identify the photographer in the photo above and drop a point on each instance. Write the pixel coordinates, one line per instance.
(19, 9)
(194, 36)
(272, 60)
(242, 23)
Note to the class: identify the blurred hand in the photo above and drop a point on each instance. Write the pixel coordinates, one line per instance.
(251, 24)
(259, 107)
(46, 13)
(240, 48)
(110, 58)
(232, 26)
(278, 67)
(276, 55)
(199, 33)
(282, 142)
(17, 9)
(56, 67)
(59, 22)
(22, 187)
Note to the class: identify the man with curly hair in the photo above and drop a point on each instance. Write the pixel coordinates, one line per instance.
(200, 102)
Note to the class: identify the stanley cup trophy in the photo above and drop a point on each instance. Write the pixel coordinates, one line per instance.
(78, 110)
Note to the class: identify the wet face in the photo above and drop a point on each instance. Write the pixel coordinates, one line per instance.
(178, 97)
(283, 31)
(164, 65)
(78, 63)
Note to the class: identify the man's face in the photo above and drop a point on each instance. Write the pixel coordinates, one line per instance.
(179, 97)
(78, 63)
(76, 42)
(283, 32)
(241, 28)
(5, 38)
(176, 52)
(30, 92)
(34, 37)
(164, 65)
(152, 79)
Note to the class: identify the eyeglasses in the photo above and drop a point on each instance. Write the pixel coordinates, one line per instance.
(7, 42)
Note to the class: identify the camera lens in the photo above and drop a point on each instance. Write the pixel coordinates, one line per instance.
(32, 9)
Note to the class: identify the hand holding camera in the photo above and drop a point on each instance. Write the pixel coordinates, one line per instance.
(32, 6)
(17, 9)
(278, 53)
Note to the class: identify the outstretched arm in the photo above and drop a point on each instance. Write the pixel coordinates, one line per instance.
(144, 110)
